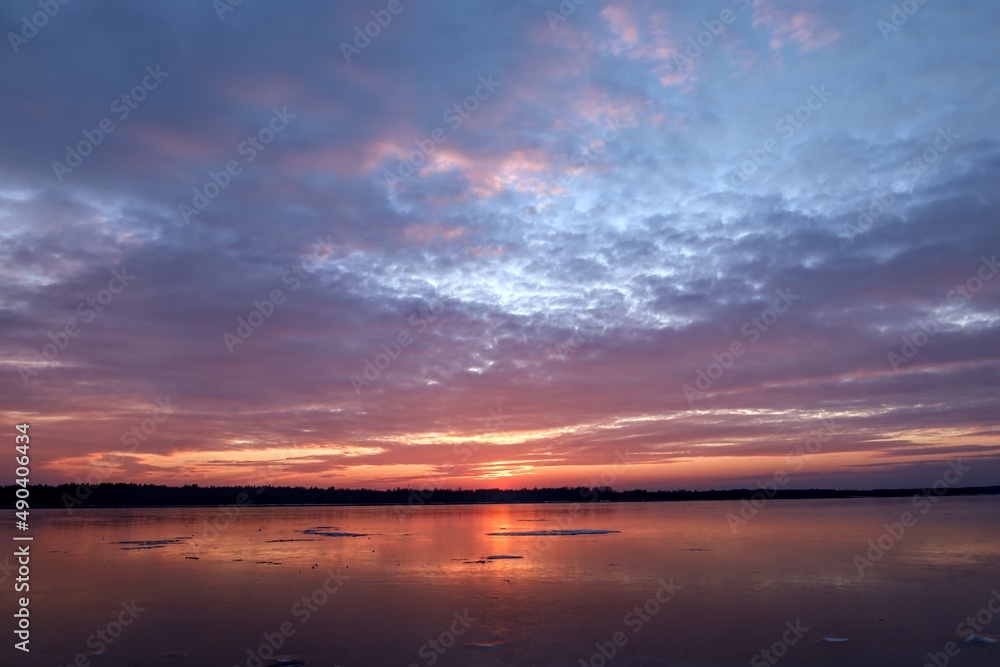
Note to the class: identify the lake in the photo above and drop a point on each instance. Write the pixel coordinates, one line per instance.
(693, 583)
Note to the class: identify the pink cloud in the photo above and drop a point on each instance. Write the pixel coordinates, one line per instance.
(177, 144)
(426, 233)
(805, 27)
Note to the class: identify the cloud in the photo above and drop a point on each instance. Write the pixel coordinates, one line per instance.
(574, 251)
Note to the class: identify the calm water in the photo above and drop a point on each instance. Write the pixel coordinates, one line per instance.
(207, 599)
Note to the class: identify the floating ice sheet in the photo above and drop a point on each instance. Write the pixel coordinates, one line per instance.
(333, 533)
(290, 540)
(137, 545)
(287, 661)
(485, 646)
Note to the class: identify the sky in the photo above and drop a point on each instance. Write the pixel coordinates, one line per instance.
(698, 244)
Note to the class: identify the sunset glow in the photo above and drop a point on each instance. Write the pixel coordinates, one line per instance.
(544, 252)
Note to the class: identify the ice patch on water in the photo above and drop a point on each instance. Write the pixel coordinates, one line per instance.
(144, 548)
(976, 639)
(289, 540)
(533, 533)
(332, 533)
(287, 661)
(485, 646)
(138, 545)
(503, 557)
(831, 640)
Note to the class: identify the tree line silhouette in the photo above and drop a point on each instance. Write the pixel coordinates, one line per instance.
(156, 495)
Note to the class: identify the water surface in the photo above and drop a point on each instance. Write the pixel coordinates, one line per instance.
(214, 581)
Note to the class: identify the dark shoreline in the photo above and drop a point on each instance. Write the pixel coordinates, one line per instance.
(136, 496)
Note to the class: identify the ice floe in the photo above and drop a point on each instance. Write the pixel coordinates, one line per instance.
(485, 646)
(333, 533)
(287, 661)
(290, 540)
(137, 545)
